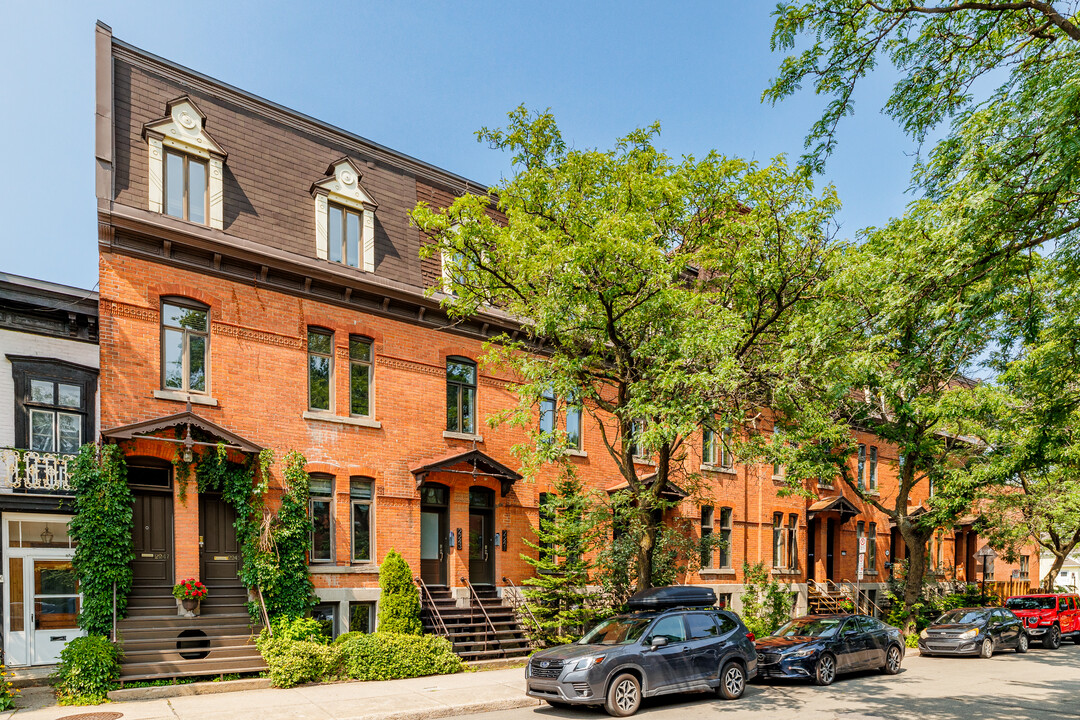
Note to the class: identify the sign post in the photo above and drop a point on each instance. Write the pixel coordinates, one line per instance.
(859, 573)
(986, 553)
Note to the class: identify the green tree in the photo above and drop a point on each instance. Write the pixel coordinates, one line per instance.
(102, 531)
(766, 605)
(655, 291)
(894, 338)
(399, 601)
(558, 595)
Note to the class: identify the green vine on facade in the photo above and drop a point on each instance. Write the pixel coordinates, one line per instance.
(274, 546)
(102, 531)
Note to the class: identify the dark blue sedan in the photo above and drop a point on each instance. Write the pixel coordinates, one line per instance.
(819, 647)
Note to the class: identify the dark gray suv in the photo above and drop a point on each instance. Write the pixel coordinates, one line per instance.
(673, 640)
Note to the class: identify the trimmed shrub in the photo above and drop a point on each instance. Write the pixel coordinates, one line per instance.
(89, 666)
(301, 628)
(399, 602)
(388, 656)
(344, 637)
(292, 662)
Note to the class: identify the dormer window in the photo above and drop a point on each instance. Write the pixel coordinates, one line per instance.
(186, 166)
(185, 187)
(344, 217)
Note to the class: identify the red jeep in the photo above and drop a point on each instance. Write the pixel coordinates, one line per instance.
(1048, 617)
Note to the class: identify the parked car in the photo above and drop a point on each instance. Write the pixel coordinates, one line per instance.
(819, 647)
(974, 631)
(1048, 617)
(672, 640)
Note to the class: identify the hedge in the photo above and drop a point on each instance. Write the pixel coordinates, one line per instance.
(382, 656)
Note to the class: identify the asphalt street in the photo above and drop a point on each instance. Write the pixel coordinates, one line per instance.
(1042, 684)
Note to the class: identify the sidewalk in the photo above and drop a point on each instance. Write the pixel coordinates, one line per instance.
(412, 699)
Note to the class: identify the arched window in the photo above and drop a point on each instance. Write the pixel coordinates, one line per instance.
(185, 345)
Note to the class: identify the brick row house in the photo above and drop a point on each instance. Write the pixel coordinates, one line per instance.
(260, 285)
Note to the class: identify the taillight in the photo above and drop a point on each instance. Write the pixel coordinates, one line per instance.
(750, 636)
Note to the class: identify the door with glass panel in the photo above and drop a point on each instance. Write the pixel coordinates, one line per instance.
(41, 591)
(55, 607)
(433, 533)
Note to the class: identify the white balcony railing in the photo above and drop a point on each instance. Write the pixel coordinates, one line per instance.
(29, 471)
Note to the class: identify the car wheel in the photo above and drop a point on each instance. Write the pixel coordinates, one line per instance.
(732, 681)
(986, 649)
(825, 672)
(1052, 639)
(1022, 643)
(892, 661)
(623, 696)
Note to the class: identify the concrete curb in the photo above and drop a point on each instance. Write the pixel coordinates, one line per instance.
(200, 688)
(453, 710)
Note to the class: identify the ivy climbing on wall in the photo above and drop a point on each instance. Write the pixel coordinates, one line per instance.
(101, 529)
(275, 545)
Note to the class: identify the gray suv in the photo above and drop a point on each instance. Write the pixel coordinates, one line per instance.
(672, 641)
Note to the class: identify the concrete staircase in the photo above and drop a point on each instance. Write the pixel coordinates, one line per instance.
(484, 629)
(157, 643)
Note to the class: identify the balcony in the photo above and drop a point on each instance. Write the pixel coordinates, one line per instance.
(39, 473)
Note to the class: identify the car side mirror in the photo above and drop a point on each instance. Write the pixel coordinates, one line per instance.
(658, 642)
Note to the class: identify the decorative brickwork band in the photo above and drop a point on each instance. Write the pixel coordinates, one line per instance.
(259, 336)
(114, 308)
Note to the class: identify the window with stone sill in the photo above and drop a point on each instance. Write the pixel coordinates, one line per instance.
(460, 395)
(185, 346)
(344, 217)
(186, 166)
(321, 512)
(360, 496)
(550, 407)
(361, 371)
(320, 352)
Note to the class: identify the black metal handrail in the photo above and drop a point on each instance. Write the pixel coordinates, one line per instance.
(425, 593)
(524, 604)
(474, 597)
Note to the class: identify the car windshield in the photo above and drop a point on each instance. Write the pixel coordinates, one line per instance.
(1031, 603)
(810, 627)
(962, 617)
(616, 631)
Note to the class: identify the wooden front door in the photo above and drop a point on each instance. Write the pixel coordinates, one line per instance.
(152, 530)
(434, 533)
(481, 536)
(830, 545)
(219, 553)
(481, 550)
(811, 544)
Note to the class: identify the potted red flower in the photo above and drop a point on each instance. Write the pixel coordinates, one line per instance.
(189, 593)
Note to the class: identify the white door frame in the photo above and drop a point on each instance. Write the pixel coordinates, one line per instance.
(29, 555)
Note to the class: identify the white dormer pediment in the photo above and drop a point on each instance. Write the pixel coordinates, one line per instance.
(342, 185)
(184, 128)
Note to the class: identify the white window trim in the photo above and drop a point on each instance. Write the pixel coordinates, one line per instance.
(184, 129)
(342, 187)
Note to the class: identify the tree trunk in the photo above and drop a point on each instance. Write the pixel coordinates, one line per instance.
(916, 572)
(646, 546)
(1048, 579)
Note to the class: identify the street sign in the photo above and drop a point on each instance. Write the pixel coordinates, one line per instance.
(986, 552)
(862, 545)
(861, 557)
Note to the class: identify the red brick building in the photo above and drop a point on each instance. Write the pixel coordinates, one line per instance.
(260, 283)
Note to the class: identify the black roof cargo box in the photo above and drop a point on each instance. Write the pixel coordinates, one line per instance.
(673, 596)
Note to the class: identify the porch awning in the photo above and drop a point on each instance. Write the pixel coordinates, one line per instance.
(921, 510)
(670, 492)
(186, 420)
(480, 462)
(838, 504)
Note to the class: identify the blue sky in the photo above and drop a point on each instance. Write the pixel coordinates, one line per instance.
(422, 77)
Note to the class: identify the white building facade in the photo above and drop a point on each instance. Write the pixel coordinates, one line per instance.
(48, 409)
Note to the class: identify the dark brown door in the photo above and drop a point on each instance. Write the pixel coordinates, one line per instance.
(811, 544)
(830, 545)
(219, 556)
(481, 550)
(152, 531)
(433, 546)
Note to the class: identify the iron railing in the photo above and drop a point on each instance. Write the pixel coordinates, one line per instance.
(34, 471)
(425, 595)
(473, 597)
